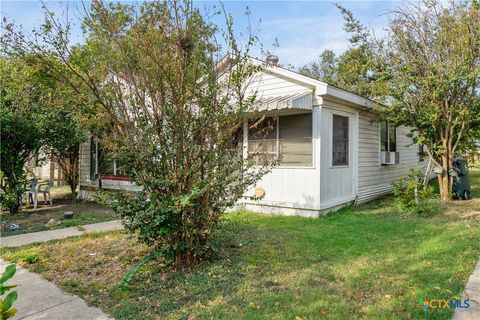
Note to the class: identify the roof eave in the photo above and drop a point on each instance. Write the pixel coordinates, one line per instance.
(343, 95)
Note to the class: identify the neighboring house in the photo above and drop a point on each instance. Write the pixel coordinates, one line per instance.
(43, 167)
(331, 150)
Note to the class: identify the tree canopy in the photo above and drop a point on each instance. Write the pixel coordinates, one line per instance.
(425, 71)
(170, 83)
(39, 114)
(22, 117)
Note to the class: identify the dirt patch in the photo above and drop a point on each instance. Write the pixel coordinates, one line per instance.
(32, 220)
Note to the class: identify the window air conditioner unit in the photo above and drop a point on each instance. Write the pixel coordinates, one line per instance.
(387, 157)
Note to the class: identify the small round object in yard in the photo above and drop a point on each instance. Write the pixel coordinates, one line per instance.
(68, 214)
(52, 223)
(14, 227)
(259, 192)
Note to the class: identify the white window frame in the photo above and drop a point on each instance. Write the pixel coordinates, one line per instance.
(277, 128)
(340, 166)
(97, 162)
(388, 137)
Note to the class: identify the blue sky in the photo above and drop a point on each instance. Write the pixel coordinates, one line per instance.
(303, 28)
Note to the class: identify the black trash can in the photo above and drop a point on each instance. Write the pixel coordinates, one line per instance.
(461, 181)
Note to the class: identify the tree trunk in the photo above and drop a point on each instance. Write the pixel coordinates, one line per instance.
(444, 181)
(444, 186)
(69, 167)
(17, 193)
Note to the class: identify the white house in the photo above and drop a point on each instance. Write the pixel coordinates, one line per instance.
(331, 150)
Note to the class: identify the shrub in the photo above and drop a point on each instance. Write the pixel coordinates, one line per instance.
(173, 109)
(178, 129)
(8, 201)
(6, 308)
(12, 191)
(31, 257)
(404, 193)
(26, 257)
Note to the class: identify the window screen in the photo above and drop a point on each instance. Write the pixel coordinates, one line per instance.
(262, 141)
(295, 140)
(392, 139)
(388, 137)
(383, 136)
(421, 152)
(340, 140)
(105, 162)
(237, 142)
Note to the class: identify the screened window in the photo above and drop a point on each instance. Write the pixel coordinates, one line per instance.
(421, 153)
(340, 141)
(295, 140)
(237, 142)
(262, 141)
(388, 137)
(106, 163)
(101, 163)
(284, 139)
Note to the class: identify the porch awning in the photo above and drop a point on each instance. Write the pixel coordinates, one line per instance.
(297, 100)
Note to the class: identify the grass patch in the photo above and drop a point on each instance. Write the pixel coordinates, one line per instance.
(33, 220)
(25, 257)
(362, 262)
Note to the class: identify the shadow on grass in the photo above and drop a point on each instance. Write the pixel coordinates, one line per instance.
(362, 262)
(341, 266)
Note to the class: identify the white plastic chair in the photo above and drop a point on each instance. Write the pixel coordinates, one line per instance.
(33, 192)
(46, 191)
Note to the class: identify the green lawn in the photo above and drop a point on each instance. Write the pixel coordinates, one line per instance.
(360, 263)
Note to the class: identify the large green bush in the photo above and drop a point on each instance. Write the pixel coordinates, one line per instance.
(404, 193)
(22, 122)
(172, 85)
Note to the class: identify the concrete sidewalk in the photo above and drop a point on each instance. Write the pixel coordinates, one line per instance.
(43, 236)
(41, 299)
(471, 292)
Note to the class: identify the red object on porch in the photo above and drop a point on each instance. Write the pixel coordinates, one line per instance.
(112, 177)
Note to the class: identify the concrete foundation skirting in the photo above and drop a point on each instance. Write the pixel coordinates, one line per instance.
(281, 211)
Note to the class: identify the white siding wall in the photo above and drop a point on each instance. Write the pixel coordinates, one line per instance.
(85, 166)
(43, 171)
(375, 179)
(267, 86)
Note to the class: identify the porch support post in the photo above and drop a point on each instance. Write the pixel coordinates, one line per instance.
(245, 140)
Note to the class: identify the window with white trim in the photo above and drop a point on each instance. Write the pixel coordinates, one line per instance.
(262, 141)
(101, 163)
(286, 140)
(388, 137)
(340, 141)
